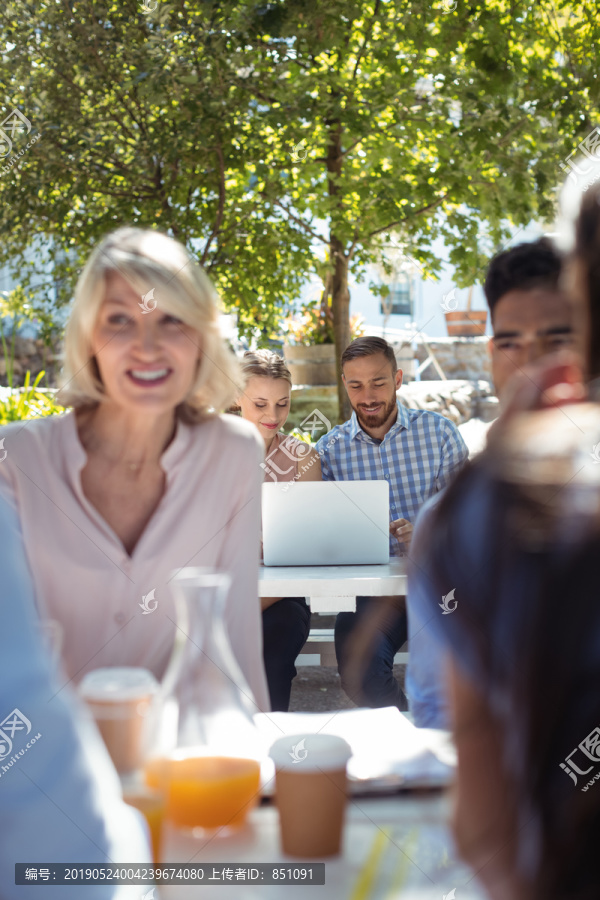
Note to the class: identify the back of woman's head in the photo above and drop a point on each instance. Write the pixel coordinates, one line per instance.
(542, 487)
(585, 273)
(154, 263)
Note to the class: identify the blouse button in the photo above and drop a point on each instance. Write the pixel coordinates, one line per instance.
(120, 618)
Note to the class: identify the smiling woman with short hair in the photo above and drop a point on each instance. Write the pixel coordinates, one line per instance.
(142, 476)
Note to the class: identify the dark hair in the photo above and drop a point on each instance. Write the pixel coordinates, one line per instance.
(587, 259)
(543, 551)
(523, 267)
(369, 346)
(539, 684)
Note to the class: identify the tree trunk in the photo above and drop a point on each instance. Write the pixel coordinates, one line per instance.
(340, 301)
(340, 295)
(386, 306)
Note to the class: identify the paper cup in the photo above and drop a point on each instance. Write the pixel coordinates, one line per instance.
(120, 700)
(310, 792)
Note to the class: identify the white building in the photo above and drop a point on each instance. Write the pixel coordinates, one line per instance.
(416, 301)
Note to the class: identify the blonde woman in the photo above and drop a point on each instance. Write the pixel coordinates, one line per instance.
(265, 402)
(142, 476)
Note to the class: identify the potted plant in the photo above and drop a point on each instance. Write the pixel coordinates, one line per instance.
(309, 349)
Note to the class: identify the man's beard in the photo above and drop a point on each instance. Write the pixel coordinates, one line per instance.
(375, 421)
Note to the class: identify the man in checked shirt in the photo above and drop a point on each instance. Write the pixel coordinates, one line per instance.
(417, 452)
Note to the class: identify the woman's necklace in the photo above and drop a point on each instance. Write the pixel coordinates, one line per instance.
(92, 445)
(130, 466)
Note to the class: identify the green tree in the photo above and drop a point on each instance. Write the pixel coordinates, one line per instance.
(138, 125)
(416, 121)
(280, 138)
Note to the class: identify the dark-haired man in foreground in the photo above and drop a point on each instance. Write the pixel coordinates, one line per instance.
(417, 453)
(531, 318)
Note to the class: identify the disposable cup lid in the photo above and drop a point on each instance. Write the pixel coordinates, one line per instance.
(310, 752)
(118, 683)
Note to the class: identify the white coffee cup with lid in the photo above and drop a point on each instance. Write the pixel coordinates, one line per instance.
(310, 792)
(121, 699)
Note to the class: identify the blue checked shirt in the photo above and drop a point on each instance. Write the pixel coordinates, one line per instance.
(418, 457)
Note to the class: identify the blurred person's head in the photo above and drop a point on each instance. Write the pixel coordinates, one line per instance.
(266, 396)
(371, 377)
(582, 278)
(543, 532)
(531, 314)
(163, 353)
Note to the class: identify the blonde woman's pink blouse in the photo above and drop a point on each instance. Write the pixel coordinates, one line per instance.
(209, 515)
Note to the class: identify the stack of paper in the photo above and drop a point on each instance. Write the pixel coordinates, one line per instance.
(388, 750)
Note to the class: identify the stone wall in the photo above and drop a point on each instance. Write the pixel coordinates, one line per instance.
(463, 358)
(456, 399)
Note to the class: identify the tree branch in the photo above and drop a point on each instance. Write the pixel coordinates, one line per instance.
(301, 222)
(221, 204)
(367, 38)
(417, 212)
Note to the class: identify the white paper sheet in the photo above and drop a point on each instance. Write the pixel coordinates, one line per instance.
(388, 750)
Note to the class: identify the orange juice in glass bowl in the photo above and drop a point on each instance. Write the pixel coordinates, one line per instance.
(206, 792)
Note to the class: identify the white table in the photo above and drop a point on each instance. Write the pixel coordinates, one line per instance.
(418, 860)
(332, 589)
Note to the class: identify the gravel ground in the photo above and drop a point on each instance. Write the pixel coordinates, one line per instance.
(318, 689)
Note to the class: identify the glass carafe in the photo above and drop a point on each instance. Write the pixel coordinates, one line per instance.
(208, 751)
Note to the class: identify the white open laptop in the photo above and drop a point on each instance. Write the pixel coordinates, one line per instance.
(325, 523)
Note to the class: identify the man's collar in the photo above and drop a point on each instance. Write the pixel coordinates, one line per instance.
(402, 421)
